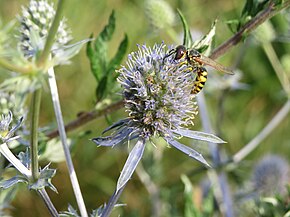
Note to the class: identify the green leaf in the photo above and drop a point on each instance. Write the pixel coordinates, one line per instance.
(102, 88)
(187, 39)
(117, 59)
(189, 207)
(97, 52)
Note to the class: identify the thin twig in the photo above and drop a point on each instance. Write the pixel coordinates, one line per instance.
(276, 120)
(70, 166)
(87, 117)
(266, 14)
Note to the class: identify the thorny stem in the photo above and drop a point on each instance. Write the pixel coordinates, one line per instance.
(35, 107)
(276, 120)
(62, 133)
(269, 12)
(42, 193)
(112, 202)
(52, 32)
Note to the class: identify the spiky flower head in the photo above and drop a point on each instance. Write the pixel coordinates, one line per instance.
(159, 102)
(160, 14)
(35, 22)
(271, 175)
(157, 92)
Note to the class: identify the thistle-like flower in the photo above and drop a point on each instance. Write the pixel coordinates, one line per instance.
(158, 99)
(6, 132)
(36, 20)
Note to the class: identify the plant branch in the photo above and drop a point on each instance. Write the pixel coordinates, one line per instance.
(276, 120)
(267, 13)
(87, 117)
(35, 107)
(62, 133)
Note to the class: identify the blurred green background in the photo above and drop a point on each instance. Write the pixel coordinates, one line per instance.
(246, 112)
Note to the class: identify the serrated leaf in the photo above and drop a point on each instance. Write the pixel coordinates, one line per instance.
(44, 179)
(199, 136)
(109, 29)
(117, 59)
(13, 181)
(187, 38)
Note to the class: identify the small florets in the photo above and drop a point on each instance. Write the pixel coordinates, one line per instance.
(157, 92)
(35, 23)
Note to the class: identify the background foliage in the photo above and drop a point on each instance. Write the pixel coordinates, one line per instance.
(241, 116)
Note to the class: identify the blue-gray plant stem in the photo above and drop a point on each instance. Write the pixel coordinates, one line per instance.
(62, 133)
(35, 108)
(227, 205)
(52, 32)
(112, 202)
(53, 212)
(254, 143)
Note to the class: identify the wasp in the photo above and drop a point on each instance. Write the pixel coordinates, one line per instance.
(196, 61)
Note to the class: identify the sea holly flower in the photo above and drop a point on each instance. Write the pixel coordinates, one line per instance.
(158, 99)
(35, 22)
(6, 132)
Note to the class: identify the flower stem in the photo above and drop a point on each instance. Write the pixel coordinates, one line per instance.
(5, 151)
(42, 193)
(52, 32)
(112, 202)
(280, 72)
(277, 119)
(62, 133)
(35, 108)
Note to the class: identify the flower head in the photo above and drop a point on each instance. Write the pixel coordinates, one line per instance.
(159, 102)
(5, 132)
(35, 23)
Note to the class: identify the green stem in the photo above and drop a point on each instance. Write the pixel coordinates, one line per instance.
(281, 74)
(12, 67)
(35, 108)
(62, 133)
(53, 212)
(52, 32)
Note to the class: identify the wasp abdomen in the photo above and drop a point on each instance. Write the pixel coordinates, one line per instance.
(200, 80)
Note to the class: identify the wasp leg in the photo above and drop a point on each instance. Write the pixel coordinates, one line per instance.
(200, 80)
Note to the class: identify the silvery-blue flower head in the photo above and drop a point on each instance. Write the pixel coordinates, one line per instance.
(158, 97)
(157, 92)
(35, 22)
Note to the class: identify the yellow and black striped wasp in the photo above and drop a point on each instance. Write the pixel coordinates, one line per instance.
(196, 61)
